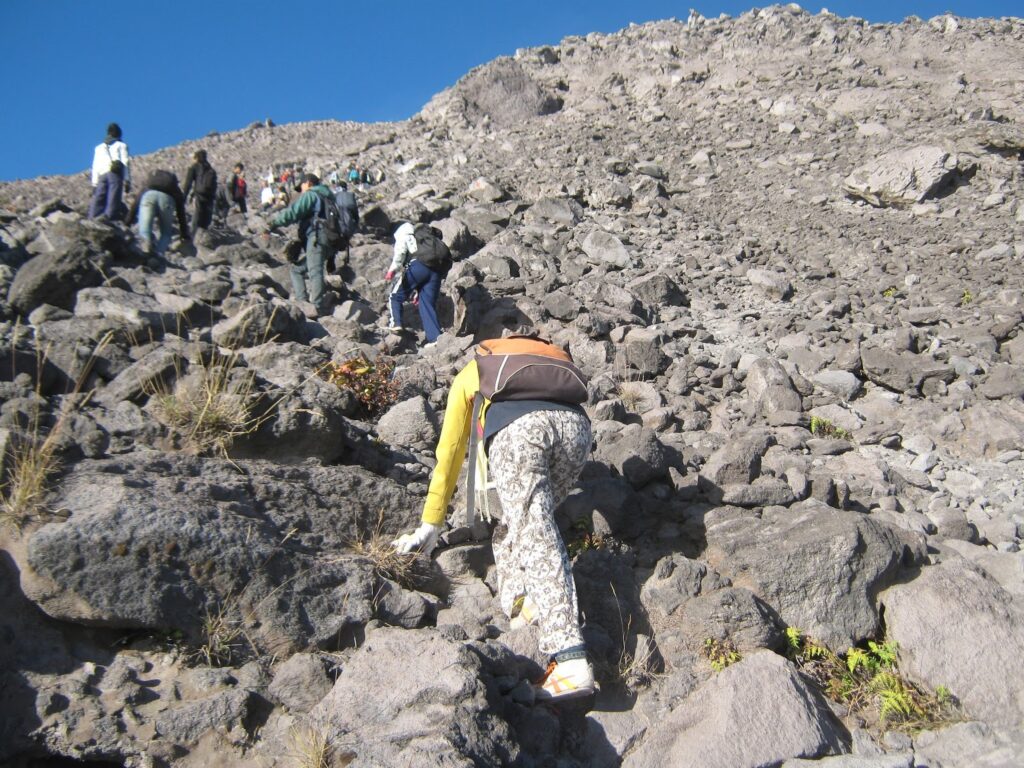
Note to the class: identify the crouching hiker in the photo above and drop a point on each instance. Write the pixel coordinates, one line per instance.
(517, 405)
(159, 200)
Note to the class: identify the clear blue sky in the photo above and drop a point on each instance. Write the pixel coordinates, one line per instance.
(173, 70)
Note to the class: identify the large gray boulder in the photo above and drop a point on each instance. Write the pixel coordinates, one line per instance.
(415, 698)
(130, 309)
(301, 682)
(738, 461)
(411, 423)
(971, 745)
(637, 453)
(258, 323)
(501, 92)
(54, 278)
(820, 568)
(702, 732)
(142, 378)
(775, 285)
(770, 389)
(247, 545)
(958, 628)
(902, 177)
(605, 248)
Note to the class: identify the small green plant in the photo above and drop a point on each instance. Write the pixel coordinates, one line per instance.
(582, 539)
(868, 681)
(721, 653)
(966, 298)
(825, 428)
(890, 292)
(371, 383)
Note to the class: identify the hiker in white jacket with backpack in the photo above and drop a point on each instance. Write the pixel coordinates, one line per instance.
(420, 264)
(111, 175)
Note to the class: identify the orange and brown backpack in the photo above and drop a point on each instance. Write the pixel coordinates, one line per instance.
(528, 368)
(517, 367)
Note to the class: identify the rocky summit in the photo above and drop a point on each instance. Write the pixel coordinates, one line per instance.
(788, 251)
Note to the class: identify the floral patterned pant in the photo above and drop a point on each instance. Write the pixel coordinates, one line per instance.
(534, 462)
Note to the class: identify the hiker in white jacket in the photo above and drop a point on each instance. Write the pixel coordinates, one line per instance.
(111, 177)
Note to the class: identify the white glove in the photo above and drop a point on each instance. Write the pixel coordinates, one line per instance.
(423, 539)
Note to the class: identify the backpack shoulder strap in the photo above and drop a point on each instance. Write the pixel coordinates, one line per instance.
(472, 451)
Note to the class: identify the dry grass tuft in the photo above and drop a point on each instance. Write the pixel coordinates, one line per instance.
(640, 668)
(313, 746)
(26, 467)
(634, 670)
(631, 396)
(30, 460)
(406, 570)
(223, 637)
(207, 411)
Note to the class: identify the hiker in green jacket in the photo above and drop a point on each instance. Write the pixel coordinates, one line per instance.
(305, 211)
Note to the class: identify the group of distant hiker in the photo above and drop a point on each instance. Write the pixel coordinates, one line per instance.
(161, 196)
(516, 408)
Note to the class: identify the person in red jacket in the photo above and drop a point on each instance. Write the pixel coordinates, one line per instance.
(237, 189)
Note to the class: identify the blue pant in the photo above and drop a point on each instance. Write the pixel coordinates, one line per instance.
(159, 205)
(106, 197)
(310, 265)
(425, 281)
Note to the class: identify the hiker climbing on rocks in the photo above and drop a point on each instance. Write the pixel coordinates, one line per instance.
(111, 175)
(159, 200)
(420, 263)
(309, 211)
(201, 181)
(237, 189)
(517, 405)
(348, 210)
(266, 195)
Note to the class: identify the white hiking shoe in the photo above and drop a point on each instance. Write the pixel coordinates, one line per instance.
(565, 680)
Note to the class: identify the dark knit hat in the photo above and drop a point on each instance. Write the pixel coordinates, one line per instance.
(310, 178)
(114, 131)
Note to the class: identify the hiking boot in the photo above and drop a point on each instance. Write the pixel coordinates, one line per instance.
(527, 613)
(565, 680)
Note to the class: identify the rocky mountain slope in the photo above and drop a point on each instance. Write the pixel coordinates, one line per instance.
(786, 248)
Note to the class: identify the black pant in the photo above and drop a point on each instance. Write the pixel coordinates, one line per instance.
(203, 215)
(241, 204)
